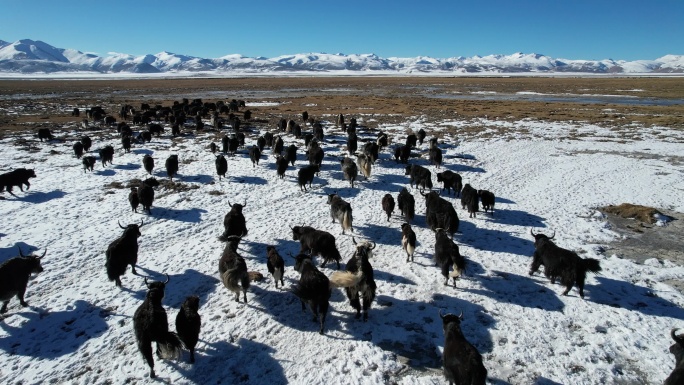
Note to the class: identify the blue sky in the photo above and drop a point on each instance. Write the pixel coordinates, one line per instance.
(570, 29)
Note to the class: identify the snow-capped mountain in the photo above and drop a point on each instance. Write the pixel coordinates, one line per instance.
(30, 57)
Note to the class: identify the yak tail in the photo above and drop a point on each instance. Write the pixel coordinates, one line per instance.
(410, 249)
(170, 346)
(591, 264)
(459, 266)
(347, 220)
(345, 279)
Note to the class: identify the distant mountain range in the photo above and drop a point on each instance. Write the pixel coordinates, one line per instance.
(36, 57)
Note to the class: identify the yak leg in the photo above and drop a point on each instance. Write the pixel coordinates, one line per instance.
(303, 306)
(20, 295)
(366, 306)
(145, 348)
(445, 274)
(133, 269)
(323, 307)
(4, 306)
(580, 284)
(192, 355)
(354, 301)
(244, 294)
(536, 262)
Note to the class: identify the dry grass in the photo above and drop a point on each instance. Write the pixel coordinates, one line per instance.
(378, 100)
(627, 210)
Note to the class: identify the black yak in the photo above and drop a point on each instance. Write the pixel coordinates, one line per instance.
(148, 163)
(317, 242)
(171, 166)
(221, 165)
(364, 289)
(306, 174)
(446, 255)
(14, 277)
(313, 289)
(462, 362)
(17, 177)
(151, 325)
(188, 323)
(234, 222)
(677, 349)
(349, 170)
(122, 252)
(106, 155)
(408, 241)
(275, 265)
(88, 163)
(561, 263)
(388, 205)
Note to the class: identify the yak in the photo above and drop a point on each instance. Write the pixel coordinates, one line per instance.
(561, 263)
(122, 252)
(14, 277)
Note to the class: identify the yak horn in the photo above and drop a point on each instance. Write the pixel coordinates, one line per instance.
(460, 316)
(676, 338)
(20, 253)
(554, 234)
(229, 203)
(141, 223)
(45, 252)
(372, 247)
(353, 240)
(167, 278)
(532, 233)
(147, 284)
(119, 222)
(440, 314)
(244, 204)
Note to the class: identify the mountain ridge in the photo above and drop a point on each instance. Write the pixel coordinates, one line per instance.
(28, 56)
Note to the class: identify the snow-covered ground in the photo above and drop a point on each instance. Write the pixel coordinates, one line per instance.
(79, 328)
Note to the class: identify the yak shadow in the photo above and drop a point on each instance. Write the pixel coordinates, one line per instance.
(128, 166)
(502, 200)
(286, 308)
(201, 178)
(415, 338)
(381, 234)
(7, 253)
(49, 335)
(626, 295)
(494, 240)
(392, 278)
(142, 151)
(235, 362)
(384, 182)
(344, 192)
(520, 290)
(250, 179)
(458, 168)
(190, 282)
(41, 197)
(193, 215)
(513, 217)
(104, 172)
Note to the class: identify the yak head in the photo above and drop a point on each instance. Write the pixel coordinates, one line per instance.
(539, 237)
(132, 229)
(191, 303)
(298, 231)
(33, 261)
(300, 260)
(677, 349)
(451, 321)
(332, 198)
(156, 289)
(408, 170)
(364, 249)
(237, 208)
(405, 228)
